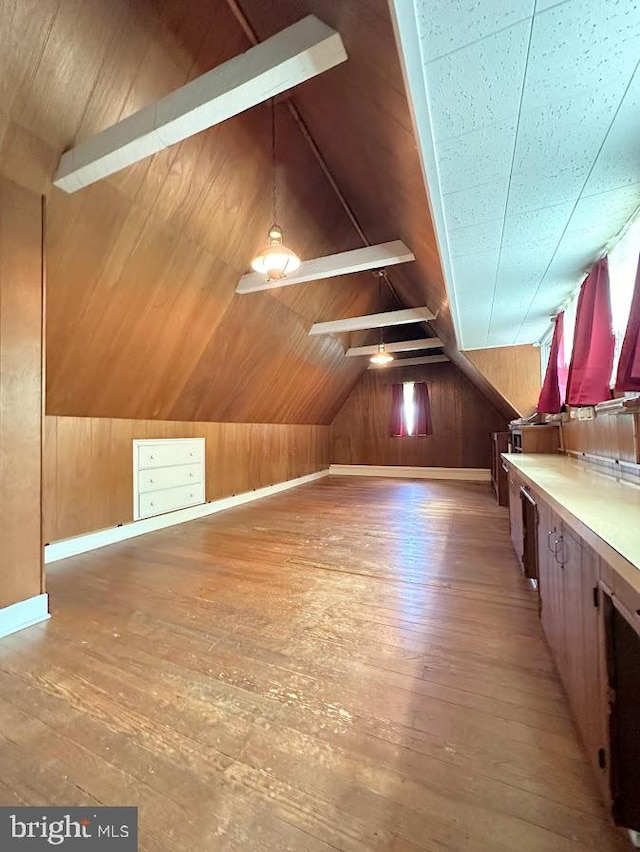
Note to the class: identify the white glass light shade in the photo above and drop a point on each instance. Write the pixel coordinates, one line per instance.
(276, 261)
(381, 357)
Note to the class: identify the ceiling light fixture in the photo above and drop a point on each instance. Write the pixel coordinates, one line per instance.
(382, 357)
(276, 261)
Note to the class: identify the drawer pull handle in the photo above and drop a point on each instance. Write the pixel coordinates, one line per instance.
(150, 481)
(191, 475)
(151, 456)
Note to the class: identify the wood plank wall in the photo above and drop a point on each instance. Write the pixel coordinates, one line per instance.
(609, 436)
(514, 371)
(462, 419)
(142, 318)
(88, 481)
(21, 298)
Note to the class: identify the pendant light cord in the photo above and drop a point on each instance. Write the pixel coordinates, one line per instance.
(381, 275)
(273, 158)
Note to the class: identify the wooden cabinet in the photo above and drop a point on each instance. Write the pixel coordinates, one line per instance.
(515, 513)
(544, 438)
(499, 479)
(569, 574)
(590, 615)
(581, 571)
(623, 681)
(551, 584)
(523, 519)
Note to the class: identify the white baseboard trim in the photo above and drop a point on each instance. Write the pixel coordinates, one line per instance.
(91, 541)
(23, 614)
(466, 474)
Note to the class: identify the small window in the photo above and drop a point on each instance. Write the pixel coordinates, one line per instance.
(409, 407)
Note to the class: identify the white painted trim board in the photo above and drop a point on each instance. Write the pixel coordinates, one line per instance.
(91, 541)
(288, 58)
(362, 323)
(344, 263)
(465, 474)
(24, 614)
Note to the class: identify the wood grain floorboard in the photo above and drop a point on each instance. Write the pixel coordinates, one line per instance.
(353, 665)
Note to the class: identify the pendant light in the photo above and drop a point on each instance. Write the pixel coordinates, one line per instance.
(276, 261)
(382, 357)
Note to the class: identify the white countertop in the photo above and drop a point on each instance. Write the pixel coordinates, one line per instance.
(589, 502)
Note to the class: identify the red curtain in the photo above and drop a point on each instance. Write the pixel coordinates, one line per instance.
(423, 409)
(593, 342)
(553, 391)
(397, 425)
(628, 378)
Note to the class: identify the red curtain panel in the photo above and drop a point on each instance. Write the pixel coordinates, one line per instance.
(593, 343)
(423, 409)
(553, 391)
(397, 425)
(628, 377)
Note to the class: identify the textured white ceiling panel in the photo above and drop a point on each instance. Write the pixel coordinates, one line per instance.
(477, 311)
(534, 129)
(485, 78)
(477, 157)
(582, 47)
(567, 134)
(531, 190)
(619, 160)
(475, 238)
(571, 262)
(476, 272)
(613, 208)
(537, 226)
(475, 204)
(448, 25)
(521, 263)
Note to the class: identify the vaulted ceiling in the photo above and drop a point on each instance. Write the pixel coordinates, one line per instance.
(529, 124)
(142, 318)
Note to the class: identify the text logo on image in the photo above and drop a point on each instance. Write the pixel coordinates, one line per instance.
(100, 829)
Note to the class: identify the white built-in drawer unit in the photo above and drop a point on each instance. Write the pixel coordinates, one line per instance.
(168, 474)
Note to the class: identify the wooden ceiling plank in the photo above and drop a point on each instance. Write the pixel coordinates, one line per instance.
(344, 263)
(388, 318)
(290, 57)
(398, 346)
(410, 362)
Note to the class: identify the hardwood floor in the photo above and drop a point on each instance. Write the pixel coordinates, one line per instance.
(353, 665)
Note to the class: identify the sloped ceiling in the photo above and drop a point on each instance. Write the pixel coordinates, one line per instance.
(358, 115)
(142, 319)
(531, 113)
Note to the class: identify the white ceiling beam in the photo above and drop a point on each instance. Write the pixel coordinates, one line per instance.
(410, 362)
(287, 59)
(345, 263)
(398, 346)
(407, 315)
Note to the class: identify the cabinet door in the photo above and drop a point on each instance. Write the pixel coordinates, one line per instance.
(623, 647)
(595, 718)
(515, 514)
(552, 584)
(550, 579)
(581, 637)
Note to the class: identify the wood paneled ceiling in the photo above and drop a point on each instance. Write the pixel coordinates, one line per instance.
(358, 115)
(142, 319)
